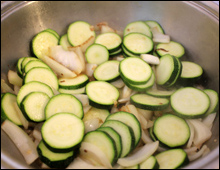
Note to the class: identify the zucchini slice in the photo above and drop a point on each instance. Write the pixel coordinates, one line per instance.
(146, 102)
(138, 43)
(172, 159)
(168, 70)
(53, 32)
(43, 75)
(18, 67)
(172, 48)
(142, 87)
(115, 53)
(96, 54)
(64, 103)
(130, 120)
(62, 132)
(101, 94)
(64, 42)
(171, 130)
(160, 93)
(54, 159)
(79, 32)
(41, 43)
(128, 53)
(190, 102)
(33, 86)
(33, 64)
(214, 101)
(110, 40)
(25, 61)
(73, 83)
(139, 27)
(126, 134)
(153, 24)
(115, 136)
(150, 163)
(8, 110)
(80, 90)
(107, 71)
(103, 141)
(33, 106)
(135, 71)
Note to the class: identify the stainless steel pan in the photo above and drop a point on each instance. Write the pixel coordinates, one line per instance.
(194, 24)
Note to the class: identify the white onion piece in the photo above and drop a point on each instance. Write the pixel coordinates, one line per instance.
(83, 98)
(202, 132)
(132, 109)
(23, 120)
(143, 121)
(67, 58)
(86, 108)
(94, 153)
(5, 87)
(114, 109)
(106, 29)
(145, 152)
(150, 59)
(118, 83)
(22, 141)
(190, 150)
(79, 53)
(37, 135)
(192, 132)
(146, 113)
(119, 58)
(16, 89)
(146, 137)
(126, 92)
(90, 68)
(124, 100)
(58, 68)
(79, 163)
(14, 79)
(159, 37)
(208, 120)
(198, 154)
(84, 45)
(91, 124)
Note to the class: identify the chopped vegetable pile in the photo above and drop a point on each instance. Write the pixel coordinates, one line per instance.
(97, 97)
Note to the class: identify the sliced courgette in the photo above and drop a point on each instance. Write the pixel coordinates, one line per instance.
(96, 54)
(64, 42)
(150, 163)
(135, 70)
(190, 102)
(101, 94)
(171, 130)
(33, 106)
(64, 103)
(62, 132)
(214, 101)
(147, 102)
(107, 71)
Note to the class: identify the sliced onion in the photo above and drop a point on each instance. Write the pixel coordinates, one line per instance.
(208, 120)
(126, 92)
(79, 163)
(190, 150)
(143, 121)
(14, 79)
(150, 59)
(132, 109)
(83, 98)
(5, 87)
(92, 151)
(85, 45)
(79, 53)
(86, 108)
(202, 132)
(106, 29)
(118, 83)
(91, 125)
(145, 152)
(16, 89)
(146, 137)
(23, 120)
(192, 132)
(58, 68)
(146, 113)
(22, 141)
(114, 109)
(159, 37)
(198, 154)
(90, 68)
(67, 58)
